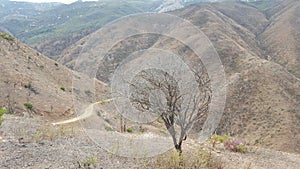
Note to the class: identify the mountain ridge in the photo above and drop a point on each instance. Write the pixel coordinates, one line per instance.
(263, 96)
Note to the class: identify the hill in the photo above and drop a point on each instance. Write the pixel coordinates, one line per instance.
(262, 104)
(262, 95)
(52, 27)
(281, 39)
(30, 77)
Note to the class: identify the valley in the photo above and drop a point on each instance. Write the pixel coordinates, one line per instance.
(57, 109)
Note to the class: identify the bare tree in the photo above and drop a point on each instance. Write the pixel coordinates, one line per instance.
(172, 99)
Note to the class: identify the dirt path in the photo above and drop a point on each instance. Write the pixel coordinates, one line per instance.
(88, 112)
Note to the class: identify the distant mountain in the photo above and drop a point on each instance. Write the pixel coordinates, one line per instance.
(34, 23)
(52, 27)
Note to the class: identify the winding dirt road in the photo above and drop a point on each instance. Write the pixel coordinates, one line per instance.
(88, 112)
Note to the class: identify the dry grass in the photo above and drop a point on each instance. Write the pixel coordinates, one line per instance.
(50, 132)
(198, 158)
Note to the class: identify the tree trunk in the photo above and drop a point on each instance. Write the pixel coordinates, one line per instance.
(179, 148)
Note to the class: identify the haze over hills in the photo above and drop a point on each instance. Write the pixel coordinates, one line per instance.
(57, 26)
(49, 20)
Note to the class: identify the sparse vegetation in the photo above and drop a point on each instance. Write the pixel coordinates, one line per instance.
(129, 130)
(6, 36)
(262, 102)
(101, 102)
(107, 120)
(232, 144)
(62, 88)
(194, 159)
(47, 132)
(28, 86)
(88, 92)
(235, 145)
(29, 106)
(160, 120)
(107, 128)
(90, 162)
(218, 139)
(2, 112)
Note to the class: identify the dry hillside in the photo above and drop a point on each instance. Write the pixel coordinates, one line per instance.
(262, 95)
(281, 39)
(260, 53)
(29, 77)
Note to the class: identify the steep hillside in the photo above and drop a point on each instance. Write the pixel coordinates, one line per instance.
(281, 39)
(29, 77)
(262, 96)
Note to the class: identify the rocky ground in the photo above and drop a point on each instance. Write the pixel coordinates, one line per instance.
(29, 142)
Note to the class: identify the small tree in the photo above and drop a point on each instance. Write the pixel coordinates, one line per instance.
(2, 112)
(178, 105)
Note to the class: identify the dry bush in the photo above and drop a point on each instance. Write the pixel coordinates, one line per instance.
(50, 132)
(194, 159)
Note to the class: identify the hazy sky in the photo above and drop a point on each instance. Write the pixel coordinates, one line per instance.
(62, 1)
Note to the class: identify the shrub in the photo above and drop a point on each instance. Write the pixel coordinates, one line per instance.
(235, 145)
(196, 158)
(6, 36)
(107, 120)
(48, 132)
(28, 86)
(101, 102)
(62, 88)
(129, 130)
(2, 112)
(141, 129)
(88, 92)
(241, 148)
(90, 162)
(160, 120)
(56, 64)
(28, 106)
(107, 128)
(232, 144)
(218, 139)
